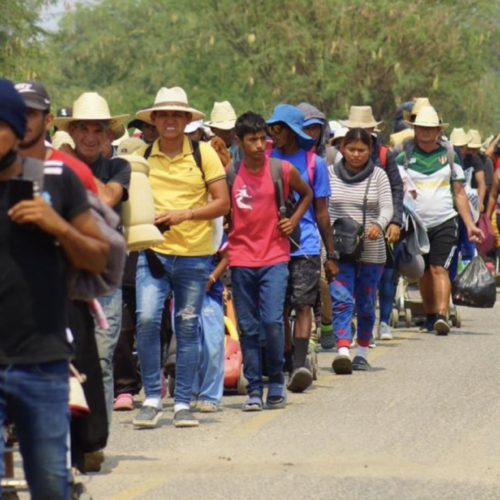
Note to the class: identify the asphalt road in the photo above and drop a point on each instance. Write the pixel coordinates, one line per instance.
(424, 425)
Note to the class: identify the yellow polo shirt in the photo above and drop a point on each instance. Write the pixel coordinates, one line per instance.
(178, 184)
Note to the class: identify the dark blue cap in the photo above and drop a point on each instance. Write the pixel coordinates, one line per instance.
(13, 111)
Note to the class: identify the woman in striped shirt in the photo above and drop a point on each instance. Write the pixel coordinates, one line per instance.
(357, 282)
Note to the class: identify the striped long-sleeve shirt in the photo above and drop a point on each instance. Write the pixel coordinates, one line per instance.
(347, 201)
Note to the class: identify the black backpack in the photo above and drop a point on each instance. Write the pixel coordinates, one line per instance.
(286, 208)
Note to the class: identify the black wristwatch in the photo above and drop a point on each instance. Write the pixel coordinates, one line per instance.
(332, 256)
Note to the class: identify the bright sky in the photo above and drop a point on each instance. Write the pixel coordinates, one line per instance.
(52, 14)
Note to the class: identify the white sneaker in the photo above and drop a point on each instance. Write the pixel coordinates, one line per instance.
(384, 332)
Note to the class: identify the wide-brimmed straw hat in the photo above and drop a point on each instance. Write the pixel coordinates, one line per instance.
(428, 117)
(474, 139)
(91, 106)
(458, 137)
(417, 106)
(174, 99)
(360, 117)
(223, 116)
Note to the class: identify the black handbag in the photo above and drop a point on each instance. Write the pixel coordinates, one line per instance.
(348, 235)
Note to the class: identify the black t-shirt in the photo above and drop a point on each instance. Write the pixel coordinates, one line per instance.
(113, 170)
(33, 293)
(474, 162)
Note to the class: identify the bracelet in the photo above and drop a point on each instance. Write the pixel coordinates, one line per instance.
(212, 279)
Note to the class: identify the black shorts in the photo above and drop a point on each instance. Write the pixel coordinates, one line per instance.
(444, 242)
(303, 282)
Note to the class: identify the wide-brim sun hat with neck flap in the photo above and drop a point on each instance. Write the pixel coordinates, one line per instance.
(474, 139)
(420, 103)
(360, 117)
(173, 99)
(91, 106)
(223, 116)
(428, 117)
(293, 118)
(458, 137)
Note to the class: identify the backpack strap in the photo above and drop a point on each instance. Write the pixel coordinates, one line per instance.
(383, 155)
(311, 166)
(147, 153)
(276, 167)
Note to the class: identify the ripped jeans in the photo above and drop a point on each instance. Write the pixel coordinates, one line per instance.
(185, 278)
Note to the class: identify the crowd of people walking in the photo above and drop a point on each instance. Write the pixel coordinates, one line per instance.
(125, 243)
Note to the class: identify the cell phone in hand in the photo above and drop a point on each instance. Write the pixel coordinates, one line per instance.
(20, 190)
(162, 227)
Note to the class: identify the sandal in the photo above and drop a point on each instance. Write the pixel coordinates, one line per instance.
(253, 403)
(276, 396)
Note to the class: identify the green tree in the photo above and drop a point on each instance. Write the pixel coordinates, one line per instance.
(21, 45)
(256, 54)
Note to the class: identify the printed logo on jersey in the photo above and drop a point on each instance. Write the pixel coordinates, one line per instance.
(243, 198)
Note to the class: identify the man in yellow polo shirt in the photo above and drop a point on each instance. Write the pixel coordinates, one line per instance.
(190, 190)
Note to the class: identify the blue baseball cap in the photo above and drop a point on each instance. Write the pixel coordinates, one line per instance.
(294, 118)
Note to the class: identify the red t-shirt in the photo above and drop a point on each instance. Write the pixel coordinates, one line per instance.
(254, 239)
(80, 169)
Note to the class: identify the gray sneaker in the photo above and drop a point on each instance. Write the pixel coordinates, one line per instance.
(384, 332)
(147, 418)
(301, 379)
(207, 406)
(185, 418)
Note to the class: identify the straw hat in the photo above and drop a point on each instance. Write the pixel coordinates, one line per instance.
(60, 138)
(428, 117)
(419, 104)
(90, 106)
(223, 116)
(360, 116)
(474, 139)
(174, 99)
(128, 146)
(458, 137)
(401, 137)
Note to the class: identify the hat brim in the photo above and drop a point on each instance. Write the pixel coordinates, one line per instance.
(313, 121)
(349, 124)
(226, 125)
(145, 114)
(136, 123)
(305, 141)
(473, 145)
(116, 122)
(429, 125)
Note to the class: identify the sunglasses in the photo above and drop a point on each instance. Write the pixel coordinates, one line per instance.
(275, 128)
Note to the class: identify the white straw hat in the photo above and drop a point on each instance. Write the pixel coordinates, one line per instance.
(340, 133)
(428, 117)
(223, 116)
(458, 137)
(419, 104)
(174, 99)
(474, 139)
(360, 116)
(91, 106)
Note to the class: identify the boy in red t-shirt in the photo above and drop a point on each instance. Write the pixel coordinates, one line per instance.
(259, 251)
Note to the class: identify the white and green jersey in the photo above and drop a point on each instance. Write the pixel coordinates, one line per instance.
(432, 176)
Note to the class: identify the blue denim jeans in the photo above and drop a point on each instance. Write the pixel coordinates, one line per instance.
(185, 278)
(355, 285)
(259, 299)
(36, 399)
(209, 381)
(106, 341)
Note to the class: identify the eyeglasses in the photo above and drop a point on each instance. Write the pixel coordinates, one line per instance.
(275, 128)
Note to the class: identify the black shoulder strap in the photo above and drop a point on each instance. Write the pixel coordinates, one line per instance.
(147, 153)
(365, 199)
(276, 166)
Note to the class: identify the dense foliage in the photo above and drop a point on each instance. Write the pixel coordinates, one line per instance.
(257, 53)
